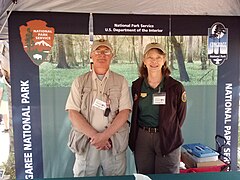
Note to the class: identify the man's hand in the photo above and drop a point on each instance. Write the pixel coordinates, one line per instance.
(109, 146)
(101, 142)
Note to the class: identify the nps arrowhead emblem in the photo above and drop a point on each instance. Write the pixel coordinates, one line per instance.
(37, 40)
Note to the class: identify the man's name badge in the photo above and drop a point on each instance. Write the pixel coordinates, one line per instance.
(159, 98)
(99, 104)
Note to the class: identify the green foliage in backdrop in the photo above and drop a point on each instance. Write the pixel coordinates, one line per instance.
(50, 76)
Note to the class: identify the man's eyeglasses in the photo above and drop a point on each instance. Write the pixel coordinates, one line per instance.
(105, 52)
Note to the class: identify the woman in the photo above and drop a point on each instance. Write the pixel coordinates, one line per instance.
(159, 110)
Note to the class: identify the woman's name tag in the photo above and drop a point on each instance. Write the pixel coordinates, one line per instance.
(159, 98)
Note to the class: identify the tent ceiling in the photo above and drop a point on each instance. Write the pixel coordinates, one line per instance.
(169, 7)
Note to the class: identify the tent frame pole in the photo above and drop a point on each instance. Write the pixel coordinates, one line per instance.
(5, 22)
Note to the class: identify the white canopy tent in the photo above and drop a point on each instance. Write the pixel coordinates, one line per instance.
(167, 7)
(158, 7)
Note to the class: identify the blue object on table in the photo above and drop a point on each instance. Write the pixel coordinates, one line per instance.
(200, 150)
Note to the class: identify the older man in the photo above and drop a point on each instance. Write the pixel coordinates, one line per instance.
(99, 105)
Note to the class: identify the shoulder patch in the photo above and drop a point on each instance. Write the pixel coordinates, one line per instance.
(184, 96)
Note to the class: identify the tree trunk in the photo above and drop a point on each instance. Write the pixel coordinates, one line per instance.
(114, 60)
(189, 50)
(203, 54)
(62, 63)
(170, 54)
(179, 55)
(140, 55)
(53, 56)
(70, 50)
(134, 51)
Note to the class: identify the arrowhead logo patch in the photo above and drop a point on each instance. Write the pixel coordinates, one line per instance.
(37, 40)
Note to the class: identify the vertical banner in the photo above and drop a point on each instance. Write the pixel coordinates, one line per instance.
(223, 51)
(31, 37)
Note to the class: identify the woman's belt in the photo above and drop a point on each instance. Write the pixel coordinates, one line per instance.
(150, 129)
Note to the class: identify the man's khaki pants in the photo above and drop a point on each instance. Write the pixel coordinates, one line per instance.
(99, 160)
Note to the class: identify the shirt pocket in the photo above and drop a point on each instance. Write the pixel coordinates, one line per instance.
(77, 142)
(120, 140)
(114, 97)
(85, 102)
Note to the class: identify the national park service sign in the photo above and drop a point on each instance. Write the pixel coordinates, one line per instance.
(37, 40)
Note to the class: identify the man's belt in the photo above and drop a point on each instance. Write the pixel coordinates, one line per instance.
(150, 129)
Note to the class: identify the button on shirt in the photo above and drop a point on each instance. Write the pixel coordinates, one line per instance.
(97, 118)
